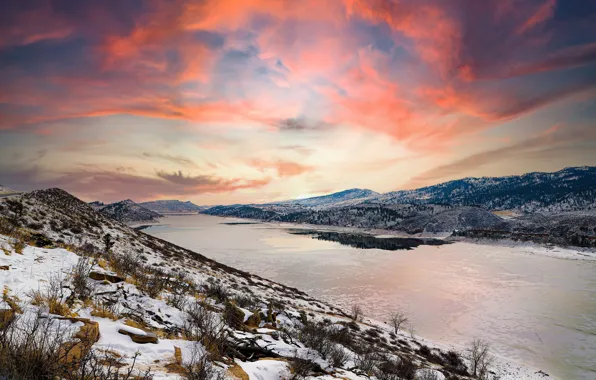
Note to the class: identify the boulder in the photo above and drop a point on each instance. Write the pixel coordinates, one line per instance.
(4, 267)
(102, 276)
(73, 351)
(138, 335)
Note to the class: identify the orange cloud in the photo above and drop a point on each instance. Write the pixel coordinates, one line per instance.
(282, 167)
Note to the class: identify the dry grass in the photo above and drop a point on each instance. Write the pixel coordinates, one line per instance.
(12, 301)
(104, 311)
(103, 264)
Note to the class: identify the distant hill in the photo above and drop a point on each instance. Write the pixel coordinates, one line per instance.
(570, 189)
(96, 205)
(172, 207)
(6, 191)
(331, 199)
(128, 211)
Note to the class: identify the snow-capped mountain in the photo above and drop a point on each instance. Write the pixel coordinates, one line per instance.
(331, 199)
(128, 211)
(570, 189)
(172, 207)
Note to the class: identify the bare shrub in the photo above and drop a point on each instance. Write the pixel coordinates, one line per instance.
(315, 336)
(454, 363)
(106, 309)
(233, 316)
(18, 243)
(82, 287)
(357, 313)
(33, 347)
(478, 354)
(300, 368)
(177, 300)
(204, 326)
(201, 368)
(393, 369)
(397, 319)
(53, 296)
(338, 356)
(152, 281)
(366, 361)
(218, 292)
(247, 302)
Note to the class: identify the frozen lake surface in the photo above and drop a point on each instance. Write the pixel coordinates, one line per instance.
(536, 310)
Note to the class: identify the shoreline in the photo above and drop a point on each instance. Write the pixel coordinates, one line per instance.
(529, 248)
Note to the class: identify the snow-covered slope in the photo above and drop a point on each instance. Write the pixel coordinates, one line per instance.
(172, 207)
(331, 199)
(198, 313)
(128, 211)
(570, 189)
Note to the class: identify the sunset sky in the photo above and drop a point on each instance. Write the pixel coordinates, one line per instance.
(230, 101)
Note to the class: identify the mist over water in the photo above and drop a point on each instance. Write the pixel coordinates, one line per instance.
(537, 310)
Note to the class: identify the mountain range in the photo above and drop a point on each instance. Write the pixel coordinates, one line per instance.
(125, 211)
(172, 207)
(464, 207)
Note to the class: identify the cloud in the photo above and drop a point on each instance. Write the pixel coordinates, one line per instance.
(426, 73)
(282, 167)
(180, 160)
(92, 183)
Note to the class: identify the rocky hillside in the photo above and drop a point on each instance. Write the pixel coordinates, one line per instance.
(105, 298)
(571, 189)
(332, 199)
(128, 211)
(172, 207)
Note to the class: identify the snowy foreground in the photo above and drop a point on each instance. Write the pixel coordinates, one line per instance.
(32, 270)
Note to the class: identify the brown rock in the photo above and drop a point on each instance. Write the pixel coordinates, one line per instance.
(72, 352)
(99, 276)
(4, 267)
(142, 339)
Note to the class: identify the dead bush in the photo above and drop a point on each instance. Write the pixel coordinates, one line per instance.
(233, 316)
(247, 302)
(338, 356)
(53, 297)
(478, 354)
(301, 368)
(357, 313)
(207, 327)
(402, 368)
(201, 368)
(218, 292)
(82, 287)
(397, 319)
(316, 336)
(454, 363)
(33, 347)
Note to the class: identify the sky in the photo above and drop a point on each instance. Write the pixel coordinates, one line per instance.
(230, 101)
